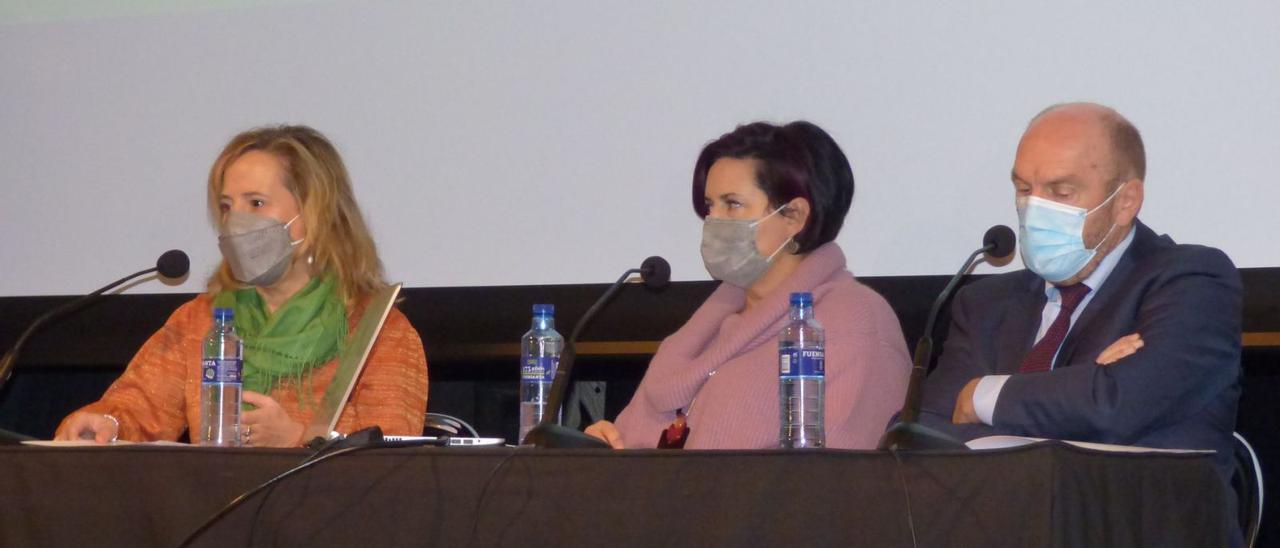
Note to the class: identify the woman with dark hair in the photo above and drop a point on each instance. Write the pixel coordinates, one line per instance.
(773, 199)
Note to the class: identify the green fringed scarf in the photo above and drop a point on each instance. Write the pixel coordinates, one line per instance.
(308, 330)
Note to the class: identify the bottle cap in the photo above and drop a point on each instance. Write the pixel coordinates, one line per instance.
(544, 310)
(802, 299)
(224, 314)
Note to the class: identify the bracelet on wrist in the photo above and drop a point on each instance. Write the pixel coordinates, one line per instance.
(115, 435)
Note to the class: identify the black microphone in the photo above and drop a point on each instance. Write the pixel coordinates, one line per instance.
(1002, 243)
(656, 274)
(908, 434)
(172, 264)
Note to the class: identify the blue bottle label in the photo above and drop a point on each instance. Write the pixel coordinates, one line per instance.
(539, 369)
(221, 370)
(796, 362)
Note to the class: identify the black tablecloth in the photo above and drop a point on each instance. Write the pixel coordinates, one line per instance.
(1049, 494)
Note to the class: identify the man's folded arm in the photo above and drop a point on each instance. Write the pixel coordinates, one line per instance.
(1190, 323)
(956, 367)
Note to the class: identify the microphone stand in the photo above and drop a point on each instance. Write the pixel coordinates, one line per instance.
(11, 357)
(908, 433)
(9, 437)
(548, 434)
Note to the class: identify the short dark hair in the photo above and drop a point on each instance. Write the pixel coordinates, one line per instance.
(797, 160)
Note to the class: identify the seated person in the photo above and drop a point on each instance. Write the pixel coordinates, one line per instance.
(773, 199)
(298, 268)
(1112, 334)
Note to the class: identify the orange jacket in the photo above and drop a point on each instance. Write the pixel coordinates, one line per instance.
(158, 396)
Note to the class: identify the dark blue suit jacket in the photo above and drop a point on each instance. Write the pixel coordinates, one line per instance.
(1179, 391)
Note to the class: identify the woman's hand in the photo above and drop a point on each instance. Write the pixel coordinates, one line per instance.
(268, 425)
(606, 432)
(89, 426)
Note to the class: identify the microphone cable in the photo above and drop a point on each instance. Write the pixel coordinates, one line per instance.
(309, 462)
(484, 491)
(906, 492)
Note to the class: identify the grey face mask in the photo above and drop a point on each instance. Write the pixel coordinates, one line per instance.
(729, 250)
(256, 247)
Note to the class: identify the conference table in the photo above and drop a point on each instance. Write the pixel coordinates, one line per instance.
(1045, 494)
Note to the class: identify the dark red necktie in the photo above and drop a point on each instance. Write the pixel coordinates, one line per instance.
(1041, 356)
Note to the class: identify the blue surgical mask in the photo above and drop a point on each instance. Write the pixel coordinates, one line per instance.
(1052, 236)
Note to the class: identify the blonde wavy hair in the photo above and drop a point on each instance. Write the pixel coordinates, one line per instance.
(337, 238)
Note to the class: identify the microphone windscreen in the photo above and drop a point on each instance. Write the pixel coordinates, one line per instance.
(173, 264)
(656, 272)
(1000, 242)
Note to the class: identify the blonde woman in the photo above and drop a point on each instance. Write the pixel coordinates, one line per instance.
(298, 268)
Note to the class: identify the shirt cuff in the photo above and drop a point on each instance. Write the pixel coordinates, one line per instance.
(985, 395)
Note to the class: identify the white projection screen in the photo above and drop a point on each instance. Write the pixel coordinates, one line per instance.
(512, 143)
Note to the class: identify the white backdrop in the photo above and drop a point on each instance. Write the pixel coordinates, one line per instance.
(497, 143)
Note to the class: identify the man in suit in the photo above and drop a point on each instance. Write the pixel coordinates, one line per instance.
(1113, 333)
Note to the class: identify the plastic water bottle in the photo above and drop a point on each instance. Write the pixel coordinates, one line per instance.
(220, 382)
(539, 356)
(801, 377)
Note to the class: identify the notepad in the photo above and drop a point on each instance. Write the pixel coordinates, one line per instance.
(1005, 442)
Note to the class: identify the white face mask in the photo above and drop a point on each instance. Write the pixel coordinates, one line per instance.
(1052, 236)
(729, 250)
(256, 247)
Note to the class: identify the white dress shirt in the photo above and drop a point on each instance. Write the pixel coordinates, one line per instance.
(988, 389)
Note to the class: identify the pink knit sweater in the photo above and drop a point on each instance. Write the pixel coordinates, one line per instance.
(722, 366)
